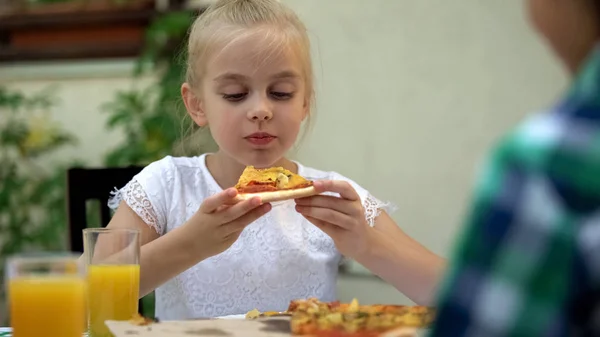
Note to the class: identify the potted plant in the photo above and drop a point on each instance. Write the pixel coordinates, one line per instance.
(32, 198)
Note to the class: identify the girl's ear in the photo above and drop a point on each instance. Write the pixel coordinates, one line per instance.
(193, 105)
(305, 109)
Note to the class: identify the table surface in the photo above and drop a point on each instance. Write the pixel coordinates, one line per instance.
(7, 332)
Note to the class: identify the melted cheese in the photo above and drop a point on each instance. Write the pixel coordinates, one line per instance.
(282, 180)
(281, 177)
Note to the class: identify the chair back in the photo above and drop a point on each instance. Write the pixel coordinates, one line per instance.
(93, 184)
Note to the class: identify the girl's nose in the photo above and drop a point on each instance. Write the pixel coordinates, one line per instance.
(261, 111)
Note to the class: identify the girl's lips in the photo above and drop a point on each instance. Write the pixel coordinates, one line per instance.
(260, 138)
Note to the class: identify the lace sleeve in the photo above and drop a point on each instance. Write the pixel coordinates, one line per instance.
(149, 193)
(373, 208)
(135, 197)
(371, 204)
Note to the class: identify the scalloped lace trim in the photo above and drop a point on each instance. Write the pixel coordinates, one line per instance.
(373, 208)
(135, 197)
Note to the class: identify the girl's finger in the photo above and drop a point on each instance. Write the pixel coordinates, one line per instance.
(239, 209)
(343, 188)
(327, 201)
(240, 223)
(222, 208)
(328, 229)
(326, 215)
(212, 203)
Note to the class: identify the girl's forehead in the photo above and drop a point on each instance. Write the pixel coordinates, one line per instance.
(253, 53)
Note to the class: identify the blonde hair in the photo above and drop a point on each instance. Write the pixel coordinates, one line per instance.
(226, 21)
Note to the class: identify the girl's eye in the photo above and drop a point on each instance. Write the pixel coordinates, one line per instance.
(281, 95)
(234, 97)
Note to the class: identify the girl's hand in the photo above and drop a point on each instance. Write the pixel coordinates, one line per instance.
(342, 218)
(220, 220)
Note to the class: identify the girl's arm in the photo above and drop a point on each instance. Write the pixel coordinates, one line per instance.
(383, 249)
(403, 262)
(161, 257)
(211, 230)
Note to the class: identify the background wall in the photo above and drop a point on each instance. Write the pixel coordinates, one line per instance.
(411, 93)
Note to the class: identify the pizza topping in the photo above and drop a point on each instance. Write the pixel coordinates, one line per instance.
(312, 317)
(255, 187)
(270, 179)
(140, 320)
(282, 180)
(255, 313)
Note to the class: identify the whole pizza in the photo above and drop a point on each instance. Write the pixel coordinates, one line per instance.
(311, 317)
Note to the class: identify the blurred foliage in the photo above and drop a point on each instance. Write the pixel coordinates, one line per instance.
(32, 195)
(153, 118)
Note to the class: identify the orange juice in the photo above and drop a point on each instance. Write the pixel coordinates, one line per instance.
(113, 292)
(52, 306)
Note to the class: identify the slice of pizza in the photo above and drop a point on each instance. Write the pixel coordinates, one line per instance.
(313, 305)
(140, 320)
(320, 319)
(255, 313)
(273, 184)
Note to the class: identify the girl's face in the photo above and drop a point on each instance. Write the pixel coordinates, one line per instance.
(570, 27)
(252, 96)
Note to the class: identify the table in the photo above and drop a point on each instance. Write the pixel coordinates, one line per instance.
(240, 328)
(233, 327)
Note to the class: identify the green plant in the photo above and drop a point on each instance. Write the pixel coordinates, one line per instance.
(32, 195)
(152, 118)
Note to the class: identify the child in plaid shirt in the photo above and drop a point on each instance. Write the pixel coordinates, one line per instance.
(528, 263)
(529, 260)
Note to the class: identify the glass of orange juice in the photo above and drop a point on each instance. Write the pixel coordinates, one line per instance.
(113, 276)
(47, 295)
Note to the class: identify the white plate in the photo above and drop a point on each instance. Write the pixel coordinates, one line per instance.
(232, 317)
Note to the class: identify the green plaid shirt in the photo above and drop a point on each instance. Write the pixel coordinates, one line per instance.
(528, 262)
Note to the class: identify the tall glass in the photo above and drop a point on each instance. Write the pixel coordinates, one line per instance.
(113, 262)
(47, 295)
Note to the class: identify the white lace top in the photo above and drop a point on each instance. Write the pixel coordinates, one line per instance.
(279, 257)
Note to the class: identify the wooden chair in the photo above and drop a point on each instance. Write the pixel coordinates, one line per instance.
(92, 184)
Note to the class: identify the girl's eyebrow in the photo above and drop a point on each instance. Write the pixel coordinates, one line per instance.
(228, 76)
(286, 74)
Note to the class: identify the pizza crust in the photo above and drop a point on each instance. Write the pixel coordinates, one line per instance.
(400, 332)
(282, 195)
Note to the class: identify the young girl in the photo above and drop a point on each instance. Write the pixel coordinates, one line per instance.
(249, 79)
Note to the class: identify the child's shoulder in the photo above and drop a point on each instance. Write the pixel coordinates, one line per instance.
(168, 164)
(163, 173)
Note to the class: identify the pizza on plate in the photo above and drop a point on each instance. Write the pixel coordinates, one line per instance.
(272, 184)
(311, 317)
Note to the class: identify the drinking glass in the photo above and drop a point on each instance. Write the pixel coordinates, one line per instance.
(113, 275)
(46, 295)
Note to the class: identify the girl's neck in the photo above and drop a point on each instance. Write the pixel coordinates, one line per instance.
(226, 171)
